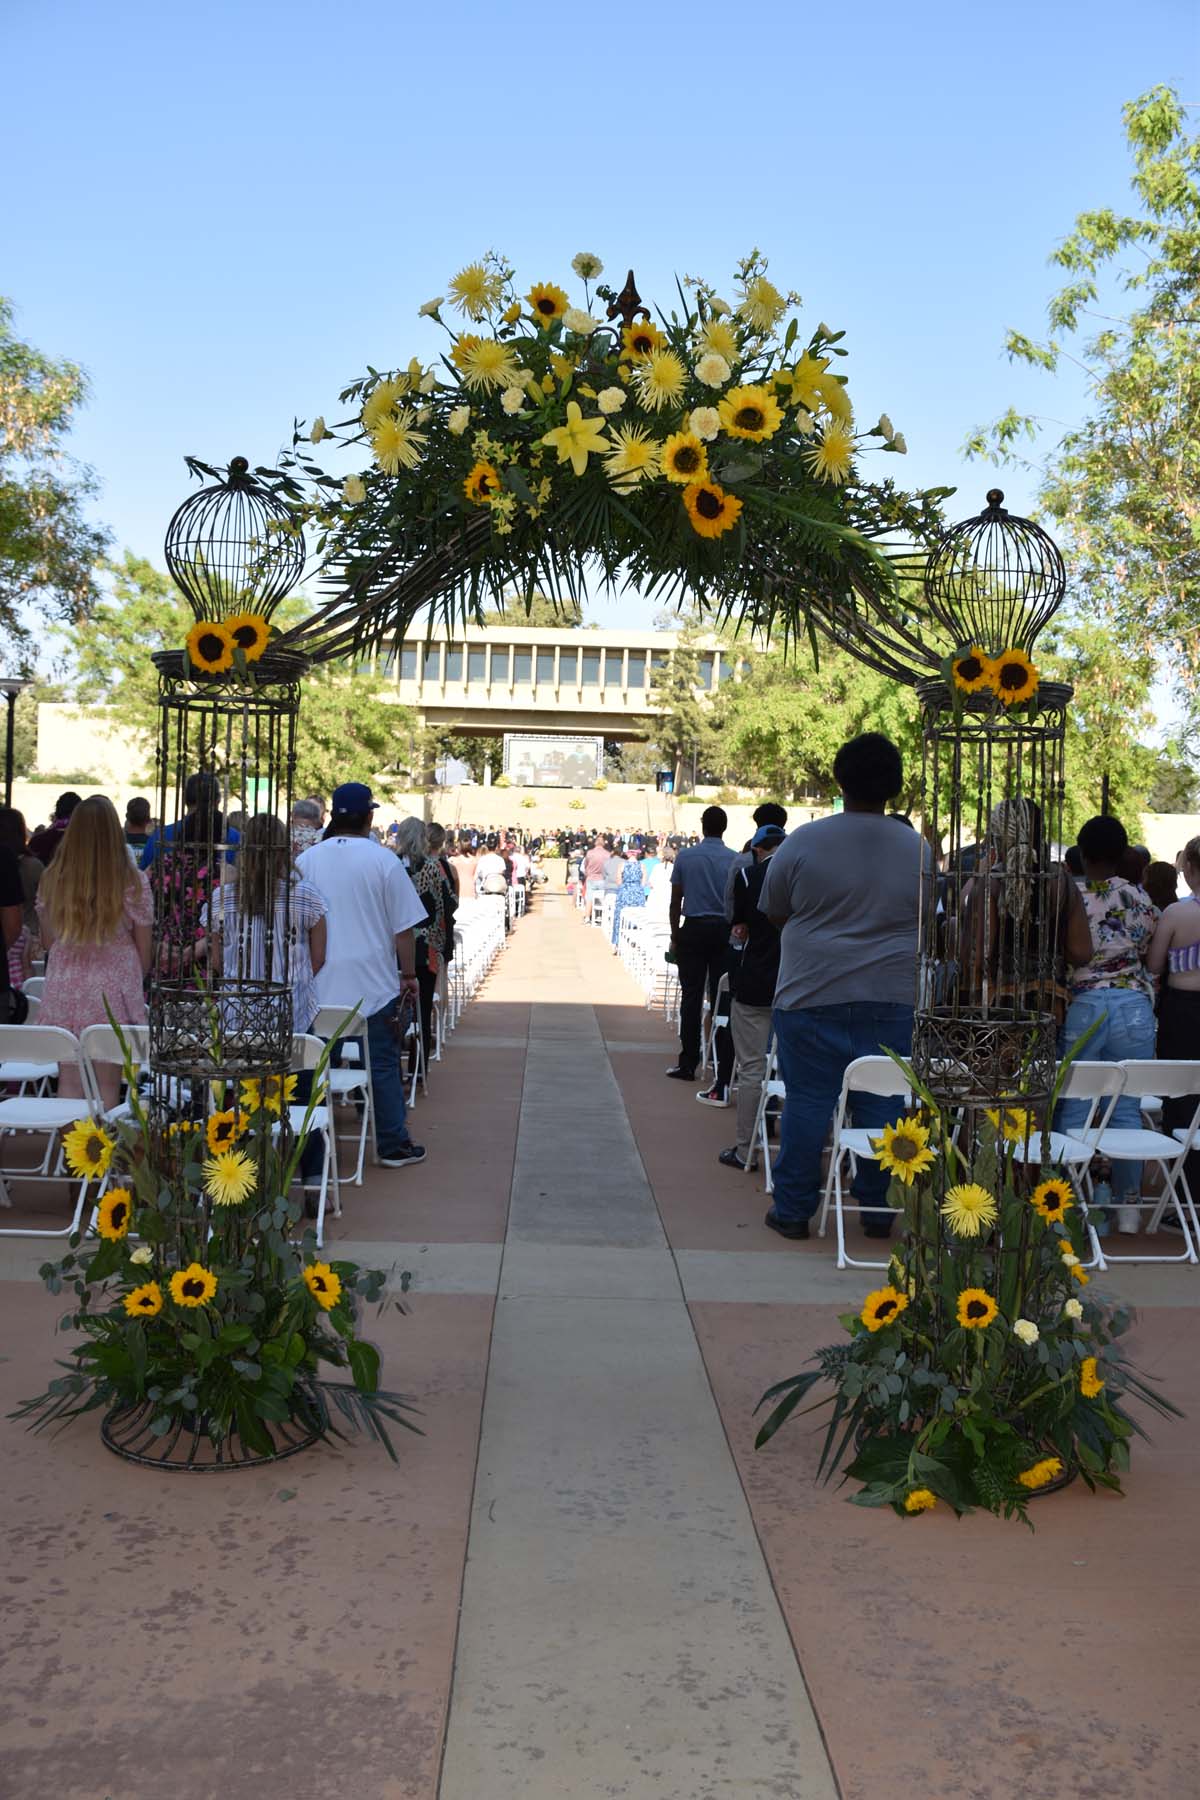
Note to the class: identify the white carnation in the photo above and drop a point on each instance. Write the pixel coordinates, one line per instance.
(582, 323)
(587, 266)
(712, 370)
(142, 1256)
(1072, 1310)
(899, 444)
(610, 400)
(705, 423)
(431, 308)
(719, 308)
(318, 431)
(353, 490)
(884, 429)
(428, 382)
(804, 422)
(458, 420)
(512, 400)
(1026, 1331)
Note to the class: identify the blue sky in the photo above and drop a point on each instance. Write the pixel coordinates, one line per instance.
(225, 212)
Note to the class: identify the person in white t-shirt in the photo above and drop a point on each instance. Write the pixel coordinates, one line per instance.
(370, 952)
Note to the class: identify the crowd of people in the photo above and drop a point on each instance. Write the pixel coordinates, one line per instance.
(349, 915)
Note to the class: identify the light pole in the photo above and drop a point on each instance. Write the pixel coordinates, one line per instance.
(10, 686)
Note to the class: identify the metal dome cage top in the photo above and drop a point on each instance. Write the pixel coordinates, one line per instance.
(230, 548)
(995, 580)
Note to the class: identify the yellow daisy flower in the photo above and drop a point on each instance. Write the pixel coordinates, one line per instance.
(661, 380)
(718, 338)
(323, 1284)
(641, 340)
(547, 303)
(972, 670)
(145, 1301)
(485, 363)
(634, 457)
(750, 412)
(88, 1148)
(1052, 1198)
(381, 401)
(210, 648)
(919, 1500)
(578, 438)
(229, 1177)
(114, 1213)
(1016, 678)
(831, 457)
(1016, 1123)
(193, 1286)
(1042, 1472)
(270, 1094)
(1091, 1382)
(684, 458)
(482, 483)
(395, 444)
(976, 1309)
(476, 289)
(712, 511)
(903, 1150)
(251, 634)
(968, 1209)
(762, 304)
(883, 1307)
(224, 1129)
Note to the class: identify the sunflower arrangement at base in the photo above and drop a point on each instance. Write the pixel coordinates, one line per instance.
(982, 1372)
(195, 1301)
(710, 448)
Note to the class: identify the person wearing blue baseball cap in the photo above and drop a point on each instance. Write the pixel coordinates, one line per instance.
(370, 956)
(752, 980)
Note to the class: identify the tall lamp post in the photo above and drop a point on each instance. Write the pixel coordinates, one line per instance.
(10, 686)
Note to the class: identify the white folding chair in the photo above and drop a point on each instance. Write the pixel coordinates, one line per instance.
(772, 1089)
(40, 1047)
(34, 987)
(716, 1017)
(1099, 1085)
(307, 1051)
(852, 1144)
(1166, 1081)
(350, 1080)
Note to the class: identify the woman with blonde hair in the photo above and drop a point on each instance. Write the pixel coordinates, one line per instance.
(95, 914)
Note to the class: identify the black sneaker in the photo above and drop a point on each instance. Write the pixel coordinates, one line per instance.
(404, 1157)
(679, 1073)
(714, 1096)
(731, 1159)
(794, 1229)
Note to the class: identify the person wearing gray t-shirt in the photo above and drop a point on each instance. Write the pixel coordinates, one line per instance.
(844, 893)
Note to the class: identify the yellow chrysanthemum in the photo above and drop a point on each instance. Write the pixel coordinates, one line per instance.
(578, 438)
(1016, 1123)
(193, 1286)
(1015, 677)
(323, 1284)
(804, 378)
(485, 363)
(711, 510)
(661, 380)
(883, 1307)
(972, 670)
(634, 457)
(251, 634)
(210, 647)
(547, 303)
(1041, 1473)
(718, 338)
(268, 1095)
(381, 401)
(145, 1301)
(182, 1127)
(832, 457)
(1052, 1198)
(750, 412)
(114, 1213)
(1091, 1382)
(476, 289)
(88, 1148)
(641, 340)
(834, 398)
(563, 366)
(903, 1150)
(919, 1500)
(224, 1129)
(395, 445)
(762, 304)
(968, 1209)
(482, 483)
(684, 458)
(229, 1178)
(976, 1309)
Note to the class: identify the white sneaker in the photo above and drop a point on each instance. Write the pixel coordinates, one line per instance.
(1129, 1221)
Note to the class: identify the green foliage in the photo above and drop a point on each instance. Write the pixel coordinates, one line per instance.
(685, 728)
(348, 731)
(48, 548)
(25, 723)
(537, 609)
(1110, 710)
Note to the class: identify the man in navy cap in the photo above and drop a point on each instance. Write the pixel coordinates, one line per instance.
(370, 956)
(752, 980)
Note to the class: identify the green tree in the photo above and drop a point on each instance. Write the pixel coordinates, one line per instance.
(541, 612)
(1108, 713)
(685, 728)
(25, 723)
(347, 731)
(1123, 487)
(48, 549)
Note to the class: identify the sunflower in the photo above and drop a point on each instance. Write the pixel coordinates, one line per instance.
(1015, 1122)
(114, 1213)
(830, 458)
(547, 303)
(919, 1500)
(269, 1094)
(250, 633)
(88, 1148)
(381, 400)
(972, 669)
(485, 364)
(903, 1150)
(229, 1177)
(883, 1307)
(684, 458)
(976, 1309)
(193, 1286)
(224, 1129)
(1091, 1382)
(712, 511)
(1041, 1473)
(394, 443)
(210, 648)
(476, 289)
(324, 1286)
(1052, 1199)
(718, 338)
(661, 380)
(1014, 677)
(750, 412)
(968, 1209)
(143, 1302)
(482, 483)
(642, 340)
(634, 457)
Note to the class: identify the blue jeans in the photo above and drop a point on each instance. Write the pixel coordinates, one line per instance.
(1126, 1029)
(387, 1082)
(815, 1044)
